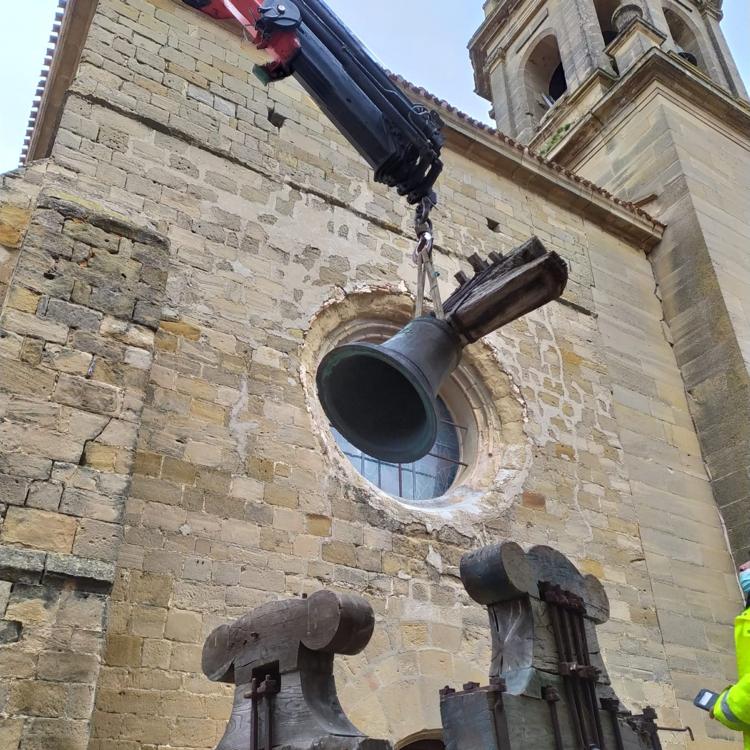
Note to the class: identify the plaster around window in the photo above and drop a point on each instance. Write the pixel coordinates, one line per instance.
(496, 449)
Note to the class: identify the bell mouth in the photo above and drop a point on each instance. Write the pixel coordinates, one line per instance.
(379, 401)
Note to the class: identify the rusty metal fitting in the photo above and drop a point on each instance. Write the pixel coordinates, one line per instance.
(498, 684)
(252, 694)
(269, 686)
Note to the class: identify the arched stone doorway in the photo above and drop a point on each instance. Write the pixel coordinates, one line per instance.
(427, 740)
(425, 745)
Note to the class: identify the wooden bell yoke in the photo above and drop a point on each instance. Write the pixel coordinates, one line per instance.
(548, 688)
(280, 658)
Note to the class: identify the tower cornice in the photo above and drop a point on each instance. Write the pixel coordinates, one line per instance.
(656, 68)
(482, 56)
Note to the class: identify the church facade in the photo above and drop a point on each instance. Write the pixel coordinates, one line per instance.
(183, 246)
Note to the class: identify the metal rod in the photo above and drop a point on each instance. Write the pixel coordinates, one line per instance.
(583, 686)
(611, 707)
(267, 698)
(580, 628)
(448, 460)
(582, 698)
(453, 424)
(575, 716)
(419, 306)
(575, 625)
(571, 657)
(254, 714)
(437, 302)
(551, 695)
(595, 713)
(650, 717)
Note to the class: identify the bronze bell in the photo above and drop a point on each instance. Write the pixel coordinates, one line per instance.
(382, 397)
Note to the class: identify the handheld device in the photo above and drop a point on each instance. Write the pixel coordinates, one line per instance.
(706, 699)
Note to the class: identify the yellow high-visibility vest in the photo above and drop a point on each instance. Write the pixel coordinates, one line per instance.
(732, 708)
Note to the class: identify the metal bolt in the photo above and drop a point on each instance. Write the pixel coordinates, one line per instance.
(281, 9)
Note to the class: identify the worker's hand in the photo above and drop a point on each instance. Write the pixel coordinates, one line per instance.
(745, 566)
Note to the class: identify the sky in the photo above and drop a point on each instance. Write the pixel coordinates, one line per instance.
(425, 42)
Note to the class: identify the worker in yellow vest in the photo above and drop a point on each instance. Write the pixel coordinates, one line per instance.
(732, 708)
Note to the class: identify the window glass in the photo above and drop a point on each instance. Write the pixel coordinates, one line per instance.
(431, 476)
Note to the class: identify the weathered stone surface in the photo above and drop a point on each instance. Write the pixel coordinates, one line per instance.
(39, 529)
(24, 380)
(10, 632)
(23, 299)
(10, 732)
(13, 223)
(73, 316)
(13, 490)
(63, 359)
(31, 325)
(21, 563)
(67, 667)
(239, 494)
(90, 396)
(79, 567)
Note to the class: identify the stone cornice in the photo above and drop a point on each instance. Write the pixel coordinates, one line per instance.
(657, 66)
(480, 142)
(62, 69)
(37, 566)
(480, 42)
(530, 171)
(495, 150)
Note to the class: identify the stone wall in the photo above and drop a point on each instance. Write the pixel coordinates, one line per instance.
(238, 494)
(18, 192)
(696, 167)
(76, 339)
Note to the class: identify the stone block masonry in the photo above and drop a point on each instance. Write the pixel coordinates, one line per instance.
(18, 191)
(195, 434)
(76, 344)
(700, 268)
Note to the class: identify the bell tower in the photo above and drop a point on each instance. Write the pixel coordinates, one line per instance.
(532, 59)
(642, 97)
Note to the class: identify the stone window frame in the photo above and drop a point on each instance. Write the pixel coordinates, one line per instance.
(498, 447)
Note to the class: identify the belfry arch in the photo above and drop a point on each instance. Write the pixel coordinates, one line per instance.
(544, 77)
(685, 38)
(604, 11)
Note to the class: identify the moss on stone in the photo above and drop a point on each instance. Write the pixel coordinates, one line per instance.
(555, 138)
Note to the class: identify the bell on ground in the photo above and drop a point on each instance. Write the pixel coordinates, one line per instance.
(382, 397)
